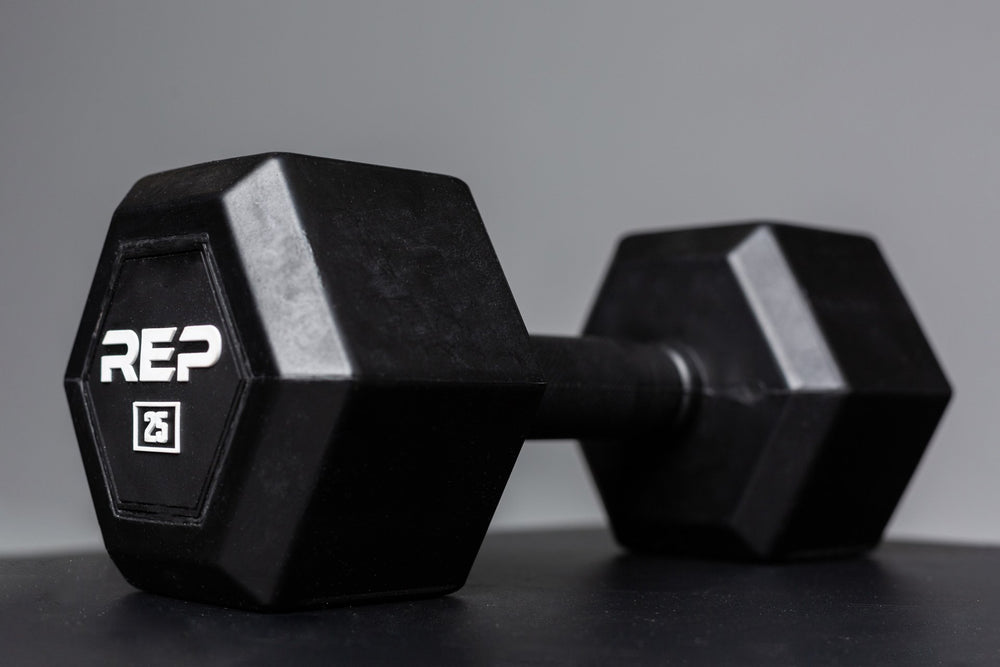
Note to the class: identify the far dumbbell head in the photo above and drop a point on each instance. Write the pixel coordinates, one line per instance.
(817, 394)
(301, 382)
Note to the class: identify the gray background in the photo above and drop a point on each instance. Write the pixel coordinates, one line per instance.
(571, 121)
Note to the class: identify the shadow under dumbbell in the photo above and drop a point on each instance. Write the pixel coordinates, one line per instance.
(563, 597)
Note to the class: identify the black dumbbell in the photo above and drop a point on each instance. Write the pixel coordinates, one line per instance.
(301, 382)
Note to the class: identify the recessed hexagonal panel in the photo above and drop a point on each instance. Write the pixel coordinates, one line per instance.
(163, 380)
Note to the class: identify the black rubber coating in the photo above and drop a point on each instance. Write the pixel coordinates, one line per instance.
(605, 388)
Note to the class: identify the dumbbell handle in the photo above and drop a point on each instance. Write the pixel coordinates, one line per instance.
(606, 388)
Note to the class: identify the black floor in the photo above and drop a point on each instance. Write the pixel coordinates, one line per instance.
(560, 597)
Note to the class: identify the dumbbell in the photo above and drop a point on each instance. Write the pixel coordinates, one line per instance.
(302, 382)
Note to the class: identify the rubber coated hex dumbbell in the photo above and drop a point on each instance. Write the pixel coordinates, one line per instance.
(300, 382)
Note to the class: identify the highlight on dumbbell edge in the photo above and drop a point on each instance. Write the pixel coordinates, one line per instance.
(302, 382)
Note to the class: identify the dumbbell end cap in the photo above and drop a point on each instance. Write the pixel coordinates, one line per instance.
(819, 392)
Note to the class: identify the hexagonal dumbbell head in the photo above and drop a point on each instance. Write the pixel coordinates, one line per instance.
(298, 381)
(818, 392)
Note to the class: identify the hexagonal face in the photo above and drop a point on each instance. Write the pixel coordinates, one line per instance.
(163, 380)
(818, 392)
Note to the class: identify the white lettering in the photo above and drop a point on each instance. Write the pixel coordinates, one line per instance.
(148, 354)
(188, 360)
(122, 362)
(157, 428)
(149, 346)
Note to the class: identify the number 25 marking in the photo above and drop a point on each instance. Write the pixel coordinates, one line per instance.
(157, 430)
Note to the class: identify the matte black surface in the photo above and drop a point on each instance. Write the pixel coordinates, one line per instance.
(818, 392)
(172, 487)
(540, 598)
(605, 388)
(386, 391)
(355, 443)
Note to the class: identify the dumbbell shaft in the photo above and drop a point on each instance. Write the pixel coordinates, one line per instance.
(606, 388)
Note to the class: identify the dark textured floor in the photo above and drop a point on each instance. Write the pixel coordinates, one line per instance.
(555, 597)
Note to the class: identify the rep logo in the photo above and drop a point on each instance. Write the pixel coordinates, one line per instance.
(152, 345)
(156, 427)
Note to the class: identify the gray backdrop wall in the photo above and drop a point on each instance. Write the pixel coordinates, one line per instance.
(571, 121)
